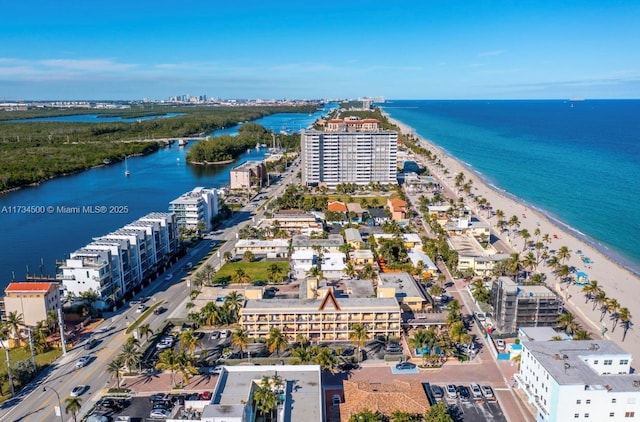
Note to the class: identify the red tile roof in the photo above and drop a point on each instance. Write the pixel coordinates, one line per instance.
(337, 206)
(28, 287)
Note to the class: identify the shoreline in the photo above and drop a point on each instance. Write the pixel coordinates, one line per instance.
(617, 280)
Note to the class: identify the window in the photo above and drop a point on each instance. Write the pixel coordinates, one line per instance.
(586, 415)
(608, 361)
(629, 414)
(611, 414)
(595, 362)
(578, 401)
(576, 415)
(588, 401)
(613, 400)
(624, 361)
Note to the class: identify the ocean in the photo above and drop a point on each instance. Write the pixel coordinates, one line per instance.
(576, 161)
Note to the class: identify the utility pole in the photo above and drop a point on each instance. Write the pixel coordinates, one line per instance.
(33, 356)
(13, 393)
(63, 341)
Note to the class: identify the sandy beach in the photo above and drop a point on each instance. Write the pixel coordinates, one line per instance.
(617, 281)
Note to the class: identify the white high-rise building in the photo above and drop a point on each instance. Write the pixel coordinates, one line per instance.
(349, 151)
(198, 206)
(587, 380)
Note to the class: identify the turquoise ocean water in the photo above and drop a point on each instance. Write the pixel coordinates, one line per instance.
(576, 161)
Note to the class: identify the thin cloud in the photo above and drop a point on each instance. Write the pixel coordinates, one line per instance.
(492, 53)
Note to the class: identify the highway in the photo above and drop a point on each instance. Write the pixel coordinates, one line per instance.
(34, 404)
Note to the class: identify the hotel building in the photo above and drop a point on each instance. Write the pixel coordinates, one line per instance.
(248, 175)
(588, 380)
(198, 206)
(349, 151)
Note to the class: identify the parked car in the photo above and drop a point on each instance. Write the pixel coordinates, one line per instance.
(500, 345)
(451, 391)
(215, 335)
(224, 333)
(464, 392)
(159, 414)
(393, 348)
(157, 397)
(107, 404)
(476, 392)
(205, 395)
(159, 310)
(487, 392)
(405, 365)
(78, 390)
(335, 400)
(83, 361)
(437, 391)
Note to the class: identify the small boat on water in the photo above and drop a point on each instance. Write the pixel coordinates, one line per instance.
(106, 161)
(182, 142)
(126, 167)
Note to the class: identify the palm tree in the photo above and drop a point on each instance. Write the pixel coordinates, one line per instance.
(625, 319)
(563, 272)
(240, 276)
(130, 356)
(513, 222)
(39, 336)
(145, 330)
(590, 290)
(424, 338)
(599, 299)
(358, 336)
(265, 398)
(581, 334)
(349, 269)
(275, 273)
(72, 405)
(567, 321)
(525, 235)
(114, 367)
(611, 306)
(234, 301)
(324, 357)
(564, 253)
(168, 361)
(90, 297)
(454, 309)
(302, 355)
(14, 321)
(553, 262)
(276, 341)
(185, 365)
(189, 340)
(240, 338)
(227, 256)
(499, 214)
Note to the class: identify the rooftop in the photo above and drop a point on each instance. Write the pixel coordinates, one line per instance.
(565, 362)
(385, 398)
(20, 286)
(404, 284)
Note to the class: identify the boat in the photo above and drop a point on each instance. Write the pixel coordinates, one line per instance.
(126, 167)
(106, 161)
(182, 142)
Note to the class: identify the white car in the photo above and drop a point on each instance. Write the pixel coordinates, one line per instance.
(159, 414)
(78, 390)
(83, 361)
(140, 309)
(500, 344)
(451, 391)
(476, 392)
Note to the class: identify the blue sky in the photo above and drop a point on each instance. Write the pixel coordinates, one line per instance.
(420, 49)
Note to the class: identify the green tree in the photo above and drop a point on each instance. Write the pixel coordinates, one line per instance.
(358, 336)
(115, 367)
(366, 416)
(130, 355)
(265, 398)
(72, 405)
(240, 276)
(240, 339)
(581, 334)
(302, 355)
(438, 413)
(568, 323)
(324, 357)
(14, 321)
(90, 297)
(189, 340)
(276, 342)
(625, 319)
(168, 361)
(145, 330)
(275, 273)
(248, 256)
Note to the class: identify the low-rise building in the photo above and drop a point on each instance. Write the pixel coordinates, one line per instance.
(278, 248)
(298, 389)
(353, 238)
(332, 243)
(471, 227)
(417, 256)
(516, 305)
(472, 256)
(32, 300)
(362, 257)
(294, 222)
(385, 398)
(303, 261)
(407, 291)
(332, 265)
(588, 380)
(398, 209)
(248, 175)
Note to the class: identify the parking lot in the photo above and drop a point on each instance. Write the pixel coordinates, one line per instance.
(467, 408)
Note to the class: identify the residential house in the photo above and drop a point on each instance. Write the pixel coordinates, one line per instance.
(353, 238)
(398, 209)
(32, 300)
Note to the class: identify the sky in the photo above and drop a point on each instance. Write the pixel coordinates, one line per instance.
(405, 49)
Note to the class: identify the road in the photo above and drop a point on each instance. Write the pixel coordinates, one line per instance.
(34, 404)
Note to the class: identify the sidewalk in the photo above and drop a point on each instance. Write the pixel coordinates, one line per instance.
(144, 385)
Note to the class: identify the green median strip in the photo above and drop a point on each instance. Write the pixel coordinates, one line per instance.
(142, 317)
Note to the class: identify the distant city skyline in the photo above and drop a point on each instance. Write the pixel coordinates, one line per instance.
(296, 50)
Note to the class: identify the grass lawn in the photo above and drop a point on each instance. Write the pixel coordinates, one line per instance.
(20, 354)
(380, 199)
(256, 270)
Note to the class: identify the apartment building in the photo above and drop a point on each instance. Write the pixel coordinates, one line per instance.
(32, 300)
(248, 175)
(196, 207)
(515, 305)
(118, 262)
(349, 151)
(588, 380)
(409, 293)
